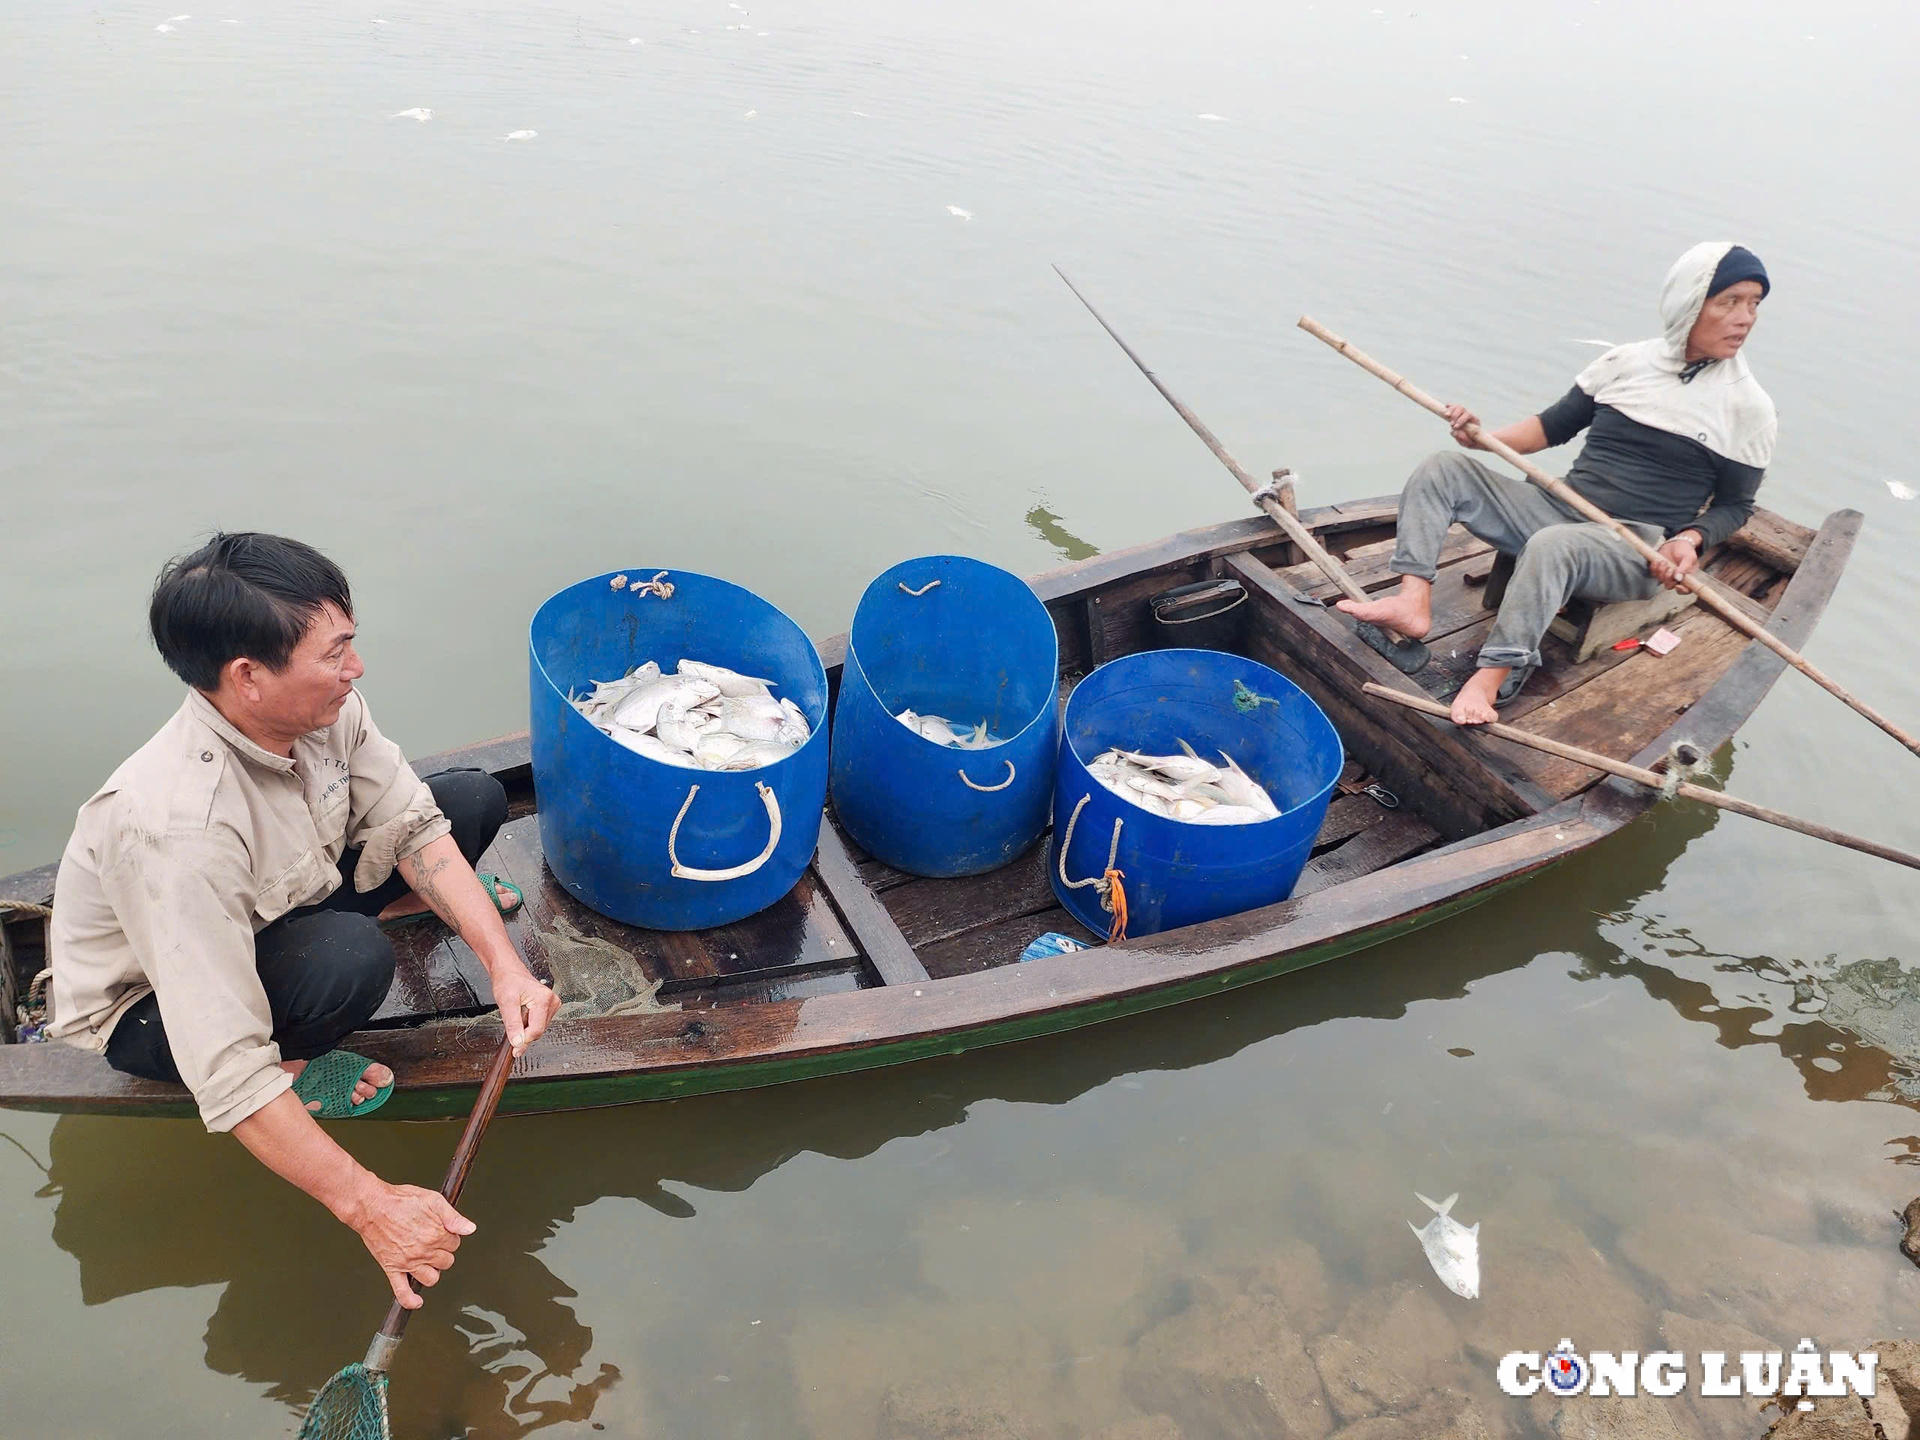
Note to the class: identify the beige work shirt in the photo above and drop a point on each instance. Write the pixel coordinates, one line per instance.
(195, 844)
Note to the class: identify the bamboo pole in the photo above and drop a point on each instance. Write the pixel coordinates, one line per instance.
(1698, 582)
(1653, 780)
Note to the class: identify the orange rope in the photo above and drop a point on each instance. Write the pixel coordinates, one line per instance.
(1117, 898)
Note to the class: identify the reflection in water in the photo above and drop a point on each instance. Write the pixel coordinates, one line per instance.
(518, 1349)
(1047, 526)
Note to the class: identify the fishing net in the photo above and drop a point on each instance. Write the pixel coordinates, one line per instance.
(350, 1406)
(594, 976)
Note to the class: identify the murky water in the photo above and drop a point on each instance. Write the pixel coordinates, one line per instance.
(717, 313)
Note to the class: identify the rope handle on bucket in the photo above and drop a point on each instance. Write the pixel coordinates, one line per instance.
(921, 591)
(1113, 894)
(658, 585)
(734, 872)
(988, 789)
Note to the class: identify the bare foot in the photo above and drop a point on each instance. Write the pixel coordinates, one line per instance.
(1474, 704)
(1408, 613)
(412, 904)
(373, 1080)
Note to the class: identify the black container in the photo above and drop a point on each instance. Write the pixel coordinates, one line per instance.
(1202, 616)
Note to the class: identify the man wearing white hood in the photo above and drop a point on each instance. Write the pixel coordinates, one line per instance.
(1681, 434)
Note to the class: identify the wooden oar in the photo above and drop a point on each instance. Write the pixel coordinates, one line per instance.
(353, 1404)
(1408, 656)
(1698, 582)
(1653, 779)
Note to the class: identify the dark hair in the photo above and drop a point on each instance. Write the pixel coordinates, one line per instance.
(248, 594)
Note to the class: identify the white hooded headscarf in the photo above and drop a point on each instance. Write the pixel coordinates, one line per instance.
(1722, 406)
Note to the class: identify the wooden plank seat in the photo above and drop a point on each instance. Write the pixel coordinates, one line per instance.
(1587, 625)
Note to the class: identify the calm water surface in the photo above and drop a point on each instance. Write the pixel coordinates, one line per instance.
(717, 313)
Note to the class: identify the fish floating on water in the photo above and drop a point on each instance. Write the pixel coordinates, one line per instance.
(940, 731)
(702, 717)
(1185, 787)
(1452, 1249)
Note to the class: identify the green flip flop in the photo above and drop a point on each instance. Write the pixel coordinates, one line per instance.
(493, 885)
(330, 1079)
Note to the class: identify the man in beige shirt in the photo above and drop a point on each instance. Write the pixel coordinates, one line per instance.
(214, 912)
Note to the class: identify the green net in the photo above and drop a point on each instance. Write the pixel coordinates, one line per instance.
(350, 1406)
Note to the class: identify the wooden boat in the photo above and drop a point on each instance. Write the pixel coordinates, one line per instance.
(861, 966)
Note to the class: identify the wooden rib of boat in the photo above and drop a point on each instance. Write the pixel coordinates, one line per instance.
(861, 966)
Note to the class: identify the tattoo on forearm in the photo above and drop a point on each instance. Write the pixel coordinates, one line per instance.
(426, 884)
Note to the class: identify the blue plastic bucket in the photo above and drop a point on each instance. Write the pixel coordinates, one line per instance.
(1175, 873)
(648, 843)
(949, 636)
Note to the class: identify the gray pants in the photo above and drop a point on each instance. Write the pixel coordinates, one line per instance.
(1560, 555)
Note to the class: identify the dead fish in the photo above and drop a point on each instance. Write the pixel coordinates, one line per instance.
(652, 747)
(756, 753)
(673, 725)
(1452, 1249)
(1152, 785)
(1231, 815)
(762, 718)
(641, 709)
(716, 748)
(1174, 767)
(730, 683)
(981, 739)
(1242, 789)
(929, 727)
(1183, 787)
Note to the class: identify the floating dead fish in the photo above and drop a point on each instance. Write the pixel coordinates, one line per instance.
(1452, 1249)
(520, 135)
(419, 112)
(958, 213)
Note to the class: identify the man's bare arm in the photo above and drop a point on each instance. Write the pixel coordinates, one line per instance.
(441, 876)
(1527, 436)
(408, 1231)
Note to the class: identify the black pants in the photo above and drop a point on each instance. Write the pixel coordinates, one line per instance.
(326, 968)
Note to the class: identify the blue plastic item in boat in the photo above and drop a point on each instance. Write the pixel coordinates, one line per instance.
(648, 843)
(948, 636)
(1176, 873)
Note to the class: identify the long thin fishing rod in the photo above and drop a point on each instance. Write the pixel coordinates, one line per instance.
(1409, 656)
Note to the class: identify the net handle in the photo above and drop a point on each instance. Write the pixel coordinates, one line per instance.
(380, 1354)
